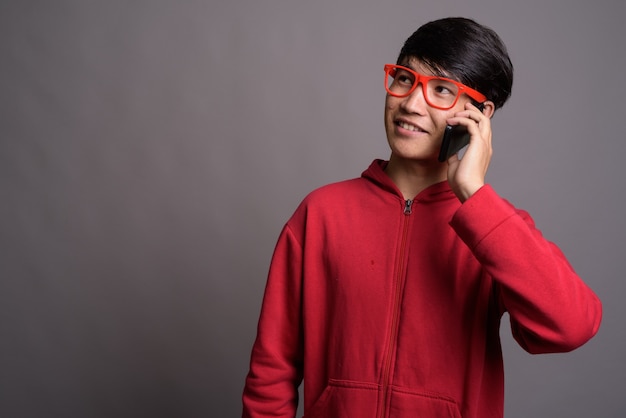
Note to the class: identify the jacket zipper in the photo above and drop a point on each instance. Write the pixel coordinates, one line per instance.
(397, 300)
(407, 206)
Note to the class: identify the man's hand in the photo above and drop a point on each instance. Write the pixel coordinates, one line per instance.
(467, 175)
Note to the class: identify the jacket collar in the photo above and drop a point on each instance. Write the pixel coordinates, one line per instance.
(375, 173)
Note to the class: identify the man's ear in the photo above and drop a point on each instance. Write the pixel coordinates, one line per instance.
(488, 108)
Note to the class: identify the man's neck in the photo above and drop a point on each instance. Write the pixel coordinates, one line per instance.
(411, 177)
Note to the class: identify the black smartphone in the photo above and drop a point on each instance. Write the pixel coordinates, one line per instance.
(454, 139)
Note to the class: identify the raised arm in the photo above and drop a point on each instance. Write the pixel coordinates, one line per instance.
(551, 308)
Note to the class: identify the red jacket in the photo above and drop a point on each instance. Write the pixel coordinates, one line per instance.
(389, 308)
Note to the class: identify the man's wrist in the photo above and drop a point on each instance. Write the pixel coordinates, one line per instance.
(466, 192)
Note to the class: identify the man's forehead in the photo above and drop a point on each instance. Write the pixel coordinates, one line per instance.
(421, 67)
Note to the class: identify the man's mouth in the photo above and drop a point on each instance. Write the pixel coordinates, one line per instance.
(408, 126)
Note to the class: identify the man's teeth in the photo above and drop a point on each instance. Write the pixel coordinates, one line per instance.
(409, 127)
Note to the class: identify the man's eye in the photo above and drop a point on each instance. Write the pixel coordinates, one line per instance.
(444, 88)
(404, 79)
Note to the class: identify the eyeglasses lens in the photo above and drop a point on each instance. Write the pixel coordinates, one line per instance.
(439, 92)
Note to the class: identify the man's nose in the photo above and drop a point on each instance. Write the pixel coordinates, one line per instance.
(415, 102)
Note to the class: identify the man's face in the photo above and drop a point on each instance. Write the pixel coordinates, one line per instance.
(415, 129)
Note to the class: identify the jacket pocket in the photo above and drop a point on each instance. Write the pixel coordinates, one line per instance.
(346, 399)
(409, 403)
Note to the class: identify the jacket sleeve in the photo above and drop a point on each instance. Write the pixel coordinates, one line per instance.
(271, 388)
(551, 309)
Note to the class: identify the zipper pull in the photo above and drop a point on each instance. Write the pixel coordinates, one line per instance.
(407, 206)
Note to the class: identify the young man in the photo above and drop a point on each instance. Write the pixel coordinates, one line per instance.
(385, 293)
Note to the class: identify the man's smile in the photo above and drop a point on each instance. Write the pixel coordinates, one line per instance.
(408, 126)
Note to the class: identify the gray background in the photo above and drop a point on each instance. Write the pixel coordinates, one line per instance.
(150, 152)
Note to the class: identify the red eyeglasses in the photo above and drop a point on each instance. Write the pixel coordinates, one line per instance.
(439, 92)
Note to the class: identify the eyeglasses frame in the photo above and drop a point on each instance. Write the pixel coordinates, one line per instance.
(423, 80)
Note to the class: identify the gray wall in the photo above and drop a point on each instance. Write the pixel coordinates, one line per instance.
(150, 152)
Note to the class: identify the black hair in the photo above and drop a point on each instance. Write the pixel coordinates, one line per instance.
(462, 49)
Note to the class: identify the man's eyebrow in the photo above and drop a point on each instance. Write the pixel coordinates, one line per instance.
(436, 70)
(409, 66)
